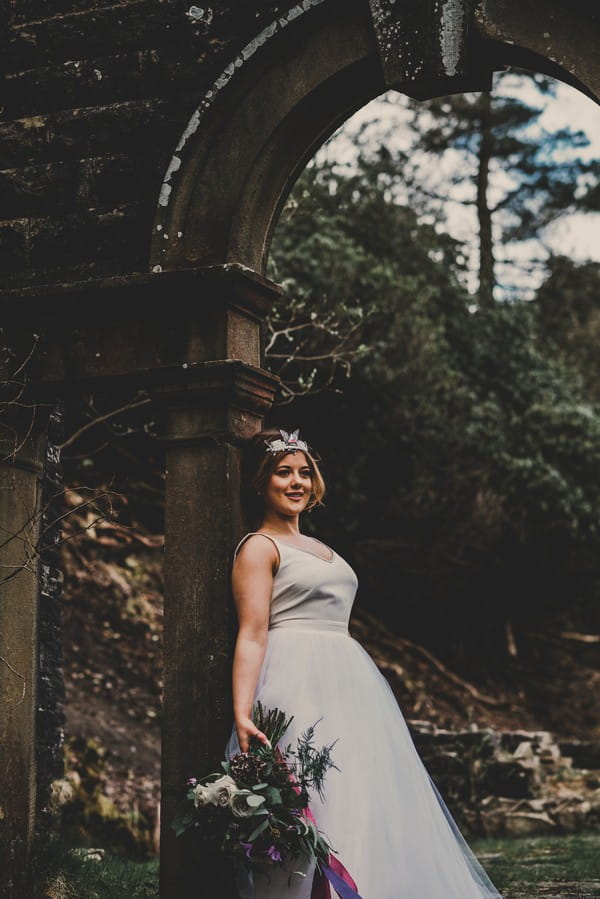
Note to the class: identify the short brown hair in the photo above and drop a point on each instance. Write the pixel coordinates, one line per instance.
(258, 465)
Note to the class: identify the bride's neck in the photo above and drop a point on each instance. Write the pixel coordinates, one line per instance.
(285, 527)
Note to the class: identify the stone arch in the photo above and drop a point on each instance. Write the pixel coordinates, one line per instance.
(305, 74)
(251, 135)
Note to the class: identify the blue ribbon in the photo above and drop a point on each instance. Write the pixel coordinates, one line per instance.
(340, 886)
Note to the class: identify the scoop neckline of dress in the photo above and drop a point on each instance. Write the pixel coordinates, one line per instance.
(299, 548)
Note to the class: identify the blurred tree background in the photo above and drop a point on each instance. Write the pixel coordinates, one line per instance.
(459, 428)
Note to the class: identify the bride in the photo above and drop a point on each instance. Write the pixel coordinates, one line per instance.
(381, 812)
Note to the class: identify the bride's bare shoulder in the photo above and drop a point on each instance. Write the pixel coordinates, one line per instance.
(257, 548)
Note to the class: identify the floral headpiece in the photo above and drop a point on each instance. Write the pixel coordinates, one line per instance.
(289, 443)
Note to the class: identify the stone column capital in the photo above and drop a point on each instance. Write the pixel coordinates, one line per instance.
(130, 328)
(426, 47)
(221, 401)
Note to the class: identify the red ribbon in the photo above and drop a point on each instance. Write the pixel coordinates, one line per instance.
(320, 886)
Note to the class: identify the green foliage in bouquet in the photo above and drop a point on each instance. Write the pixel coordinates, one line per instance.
(263, 797)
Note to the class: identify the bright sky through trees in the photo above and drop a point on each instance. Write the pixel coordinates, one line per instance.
(387, 120)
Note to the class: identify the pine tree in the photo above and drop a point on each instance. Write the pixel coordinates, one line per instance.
(522, 177)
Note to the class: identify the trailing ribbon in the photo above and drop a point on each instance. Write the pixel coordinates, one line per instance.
(334, 873)
(339, 879)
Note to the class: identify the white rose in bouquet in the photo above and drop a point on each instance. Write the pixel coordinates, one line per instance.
(222, 790)
(240, 806)
(201, 795)
(219, 792)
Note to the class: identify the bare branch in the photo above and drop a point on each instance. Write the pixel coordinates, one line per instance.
(132, 404)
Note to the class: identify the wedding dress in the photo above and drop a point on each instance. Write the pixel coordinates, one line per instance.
(381, 812)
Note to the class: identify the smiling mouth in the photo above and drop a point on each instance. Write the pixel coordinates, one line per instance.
(294, 495)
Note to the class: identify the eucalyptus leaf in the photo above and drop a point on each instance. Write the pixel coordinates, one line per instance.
(273, 795)
(255, 833)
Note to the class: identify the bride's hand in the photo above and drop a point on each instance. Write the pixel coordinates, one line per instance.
(246, 729)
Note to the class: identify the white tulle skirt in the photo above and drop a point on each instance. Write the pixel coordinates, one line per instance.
(382, 812)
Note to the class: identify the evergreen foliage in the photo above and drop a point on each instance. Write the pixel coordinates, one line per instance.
(468, 438)
(519, 176)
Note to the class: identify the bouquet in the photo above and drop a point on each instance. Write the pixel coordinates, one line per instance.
(263, 800)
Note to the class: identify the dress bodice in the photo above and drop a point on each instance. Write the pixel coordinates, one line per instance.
(310, 591)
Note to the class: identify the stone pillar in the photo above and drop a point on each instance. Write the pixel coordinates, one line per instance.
(204, 421)
(160, 332)
(21, 466)
(50, 718)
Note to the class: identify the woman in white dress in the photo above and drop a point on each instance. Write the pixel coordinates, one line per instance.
(381, 813)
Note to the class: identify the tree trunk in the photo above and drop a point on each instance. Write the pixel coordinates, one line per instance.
(484, 215)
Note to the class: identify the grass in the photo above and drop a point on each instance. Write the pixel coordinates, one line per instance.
(518, 866)
(64, 871)
(523, 868)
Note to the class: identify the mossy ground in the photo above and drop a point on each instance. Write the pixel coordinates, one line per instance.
(63, 871)
(559, 867)
(549, 866)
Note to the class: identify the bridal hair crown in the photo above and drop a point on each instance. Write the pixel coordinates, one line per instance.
(289, 443)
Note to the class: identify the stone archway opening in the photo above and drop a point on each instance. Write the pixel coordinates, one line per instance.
(321, 286)
(276, 103)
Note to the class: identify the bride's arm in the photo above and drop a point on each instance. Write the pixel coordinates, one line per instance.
(252, 582)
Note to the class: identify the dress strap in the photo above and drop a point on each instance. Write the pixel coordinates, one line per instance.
(259, 534)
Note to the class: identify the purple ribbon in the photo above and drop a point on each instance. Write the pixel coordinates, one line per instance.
(345, 888)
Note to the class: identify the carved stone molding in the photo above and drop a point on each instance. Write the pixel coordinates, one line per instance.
(425, 48)
(214, 402)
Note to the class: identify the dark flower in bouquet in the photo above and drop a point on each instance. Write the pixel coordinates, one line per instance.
(264, 797)
(247, 769)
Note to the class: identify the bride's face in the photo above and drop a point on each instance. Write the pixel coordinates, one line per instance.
(290, 485)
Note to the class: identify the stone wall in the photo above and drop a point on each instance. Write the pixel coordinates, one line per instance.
(500, 783)
(93, 99)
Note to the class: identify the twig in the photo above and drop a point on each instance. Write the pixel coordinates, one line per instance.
(130, 405)
(24, 682)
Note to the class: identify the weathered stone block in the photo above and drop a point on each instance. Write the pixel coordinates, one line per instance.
(510, 778)
(14, 247)
(116, 180)
(584, 753)
(120, 27)
(51, 691)
(129, 127)
(72, 84)
(31, 10)
(44, 189)
(23, 140)
(51, 657)
(445, 763)
(50, 609)
(91, 242)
